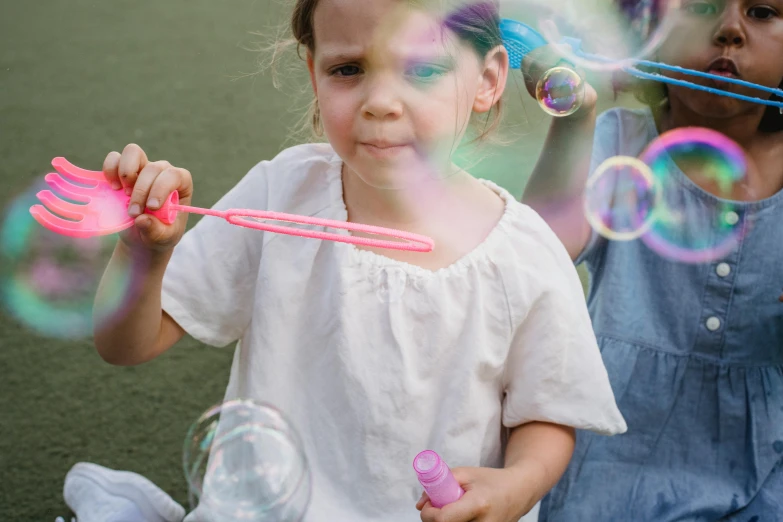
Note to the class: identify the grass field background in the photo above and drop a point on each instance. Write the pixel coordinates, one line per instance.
(80, 78)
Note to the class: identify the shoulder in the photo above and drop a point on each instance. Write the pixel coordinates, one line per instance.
(625, 125)
(530, 256)
(535, 241)
(623, 116)
(302, 179)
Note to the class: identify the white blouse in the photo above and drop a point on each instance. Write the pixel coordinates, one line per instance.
(374, 359)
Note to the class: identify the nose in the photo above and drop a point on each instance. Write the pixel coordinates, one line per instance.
(381, 100)
(730, 32)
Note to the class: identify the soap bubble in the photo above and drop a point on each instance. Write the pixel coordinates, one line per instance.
(620, 198)
(691, 232)
(244, 461)
(49, 281)
(560, 91)
(612, 35)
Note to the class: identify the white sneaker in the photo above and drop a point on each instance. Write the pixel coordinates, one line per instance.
(98, 494)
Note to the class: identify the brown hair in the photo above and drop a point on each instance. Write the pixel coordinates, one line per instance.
(476, 23)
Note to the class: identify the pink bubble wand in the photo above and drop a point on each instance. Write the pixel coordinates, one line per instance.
(103, 210)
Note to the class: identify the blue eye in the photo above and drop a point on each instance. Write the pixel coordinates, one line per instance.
(346, 70)
(424, 72)
(701, 8)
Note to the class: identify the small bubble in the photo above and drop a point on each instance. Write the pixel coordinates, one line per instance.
(560, 91)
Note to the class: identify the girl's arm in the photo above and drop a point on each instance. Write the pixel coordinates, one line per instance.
(555, 188)
(539, 453)
(144, 330)
(557, 182)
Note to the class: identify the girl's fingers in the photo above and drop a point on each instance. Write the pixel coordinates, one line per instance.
(110, 166)
(142, 185)
(422, 500)
(168, 181)
(466, 509)
(132, 161)
(154, 232)
(537, 62)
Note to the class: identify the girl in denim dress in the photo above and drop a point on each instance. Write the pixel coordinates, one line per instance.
(694, 351)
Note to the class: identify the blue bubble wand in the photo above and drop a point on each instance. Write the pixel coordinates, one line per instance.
(519, 39)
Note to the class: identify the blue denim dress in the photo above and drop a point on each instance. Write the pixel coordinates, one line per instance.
(695, 357)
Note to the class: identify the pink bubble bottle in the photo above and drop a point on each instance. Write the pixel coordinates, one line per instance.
(437, 479)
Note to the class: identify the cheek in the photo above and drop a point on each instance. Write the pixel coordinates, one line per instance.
(446, 107)
(337, 111)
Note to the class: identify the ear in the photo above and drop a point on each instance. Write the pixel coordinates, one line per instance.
(492, 80)
(311, 68)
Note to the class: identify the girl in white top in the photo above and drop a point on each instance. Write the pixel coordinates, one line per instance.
(481, 349)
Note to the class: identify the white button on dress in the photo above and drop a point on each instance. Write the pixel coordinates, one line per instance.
(723, 269)
(731, 217)
(713, 323)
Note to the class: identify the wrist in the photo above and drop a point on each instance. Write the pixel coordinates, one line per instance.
(153, 258)
(586, 113)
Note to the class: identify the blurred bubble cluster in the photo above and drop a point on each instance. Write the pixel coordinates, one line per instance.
(49, 281)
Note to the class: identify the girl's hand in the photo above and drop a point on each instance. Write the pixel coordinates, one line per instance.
(491, 495)
(540, 60)
(149, 185)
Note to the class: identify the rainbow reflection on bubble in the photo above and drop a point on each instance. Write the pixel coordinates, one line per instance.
(48, 281)
(684, 229)
(620, 198)
(560, 91)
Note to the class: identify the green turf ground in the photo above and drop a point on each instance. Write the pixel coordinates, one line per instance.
(78, 79)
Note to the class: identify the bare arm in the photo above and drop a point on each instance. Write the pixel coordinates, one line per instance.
(144, 330)
(557, 182)
(555, 189)
(539, 452)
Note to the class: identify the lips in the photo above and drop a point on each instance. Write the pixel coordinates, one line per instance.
(385, 144)
(724, 67)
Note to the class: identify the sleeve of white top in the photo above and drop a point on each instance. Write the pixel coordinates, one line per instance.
(554, 372)
(605, 145)
(209, 283)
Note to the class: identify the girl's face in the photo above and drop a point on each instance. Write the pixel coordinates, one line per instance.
(395, 90)
(735, 38)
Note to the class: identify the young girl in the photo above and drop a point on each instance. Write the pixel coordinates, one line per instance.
(377, 355)
(694, 352)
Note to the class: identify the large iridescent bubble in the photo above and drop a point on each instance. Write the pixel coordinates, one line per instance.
(620, 32)
(243, 460)
(49, 281)
(700, 173)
